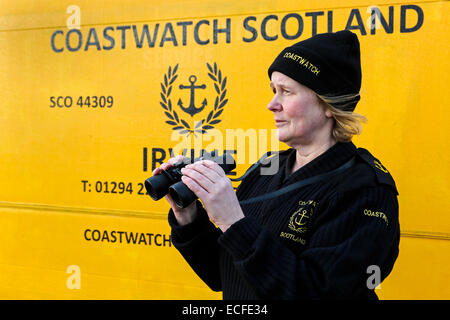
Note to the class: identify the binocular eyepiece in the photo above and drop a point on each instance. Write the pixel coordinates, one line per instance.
(169, 181)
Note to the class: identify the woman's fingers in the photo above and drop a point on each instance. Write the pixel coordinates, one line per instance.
(176, 159)
(201, 168)
(194, 187)
(215, 167)
(167, 165)
(202, 177)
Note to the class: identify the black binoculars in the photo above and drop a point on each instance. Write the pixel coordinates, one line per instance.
(169, 181)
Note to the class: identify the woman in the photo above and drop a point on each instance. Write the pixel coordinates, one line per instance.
(334, 229)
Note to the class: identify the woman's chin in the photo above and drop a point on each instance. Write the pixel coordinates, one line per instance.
(282, 137)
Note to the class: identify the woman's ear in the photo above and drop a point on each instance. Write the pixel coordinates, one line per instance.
(323, 105)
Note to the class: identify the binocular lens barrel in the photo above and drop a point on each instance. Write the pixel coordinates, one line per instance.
(181, 195)
(157, 186)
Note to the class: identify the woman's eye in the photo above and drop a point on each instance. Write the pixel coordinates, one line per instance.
(280, 91)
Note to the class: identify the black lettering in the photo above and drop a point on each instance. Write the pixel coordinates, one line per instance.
(113, 236)
(109, 38)
(203, 152)
(389, 28)
(155, 159)
(156, 242)
(58, 103)
(145, 159)
(226, 30)
(93, 33)
(196, 37)
(169, 240)
(146, 33)
(314, 16)
(173, 155)
(251, 29)
(168, 29)
(184, 25)
(52, 41)
(264, 30)
(360, 26)
(85, 234)
(131, 238)
(123, 29)
(120, 235)
(419, 23)
(105, 236)
(95, 232)
(149, 238)
(142, 239)
(330, 21)
(68, 104)
(80, 40)
(300, 26)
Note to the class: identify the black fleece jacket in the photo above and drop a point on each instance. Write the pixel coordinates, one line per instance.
(328, 240)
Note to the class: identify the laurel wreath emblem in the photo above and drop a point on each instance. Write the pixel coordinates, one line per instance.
(205, 124)
(294, 225)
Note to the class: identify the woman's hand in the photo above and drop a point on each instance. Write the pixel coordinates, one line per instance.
(183, 216)
(208, 181)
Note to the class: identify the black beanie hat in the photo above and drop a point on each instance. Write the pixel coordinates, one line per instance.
(327, 63)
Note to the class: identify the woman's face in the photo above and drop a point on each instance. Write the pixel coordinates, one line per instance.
(299, 116)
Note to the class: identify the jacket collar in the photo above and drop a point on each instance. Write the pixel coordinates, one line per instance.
(331, 159)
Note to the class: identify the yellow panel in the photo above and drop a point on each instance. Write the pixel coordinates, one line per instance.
(83, 167)
(421, 271)
(119, 257)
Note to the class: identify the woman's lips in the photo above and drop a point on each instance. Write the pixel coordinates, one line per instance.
(279, 123)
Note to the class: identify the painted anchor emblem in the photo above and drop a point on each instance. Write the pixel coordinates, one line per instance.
(192, 109)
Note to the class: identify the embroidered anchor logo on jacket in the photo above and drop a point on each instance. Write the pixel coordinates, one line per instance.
(300, 218)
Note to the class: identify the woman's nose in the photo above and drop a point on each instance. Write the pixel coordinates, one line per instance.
(274, 105)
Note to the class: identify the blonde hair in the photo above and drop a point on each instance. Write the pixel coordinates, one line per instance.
(347, 123)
